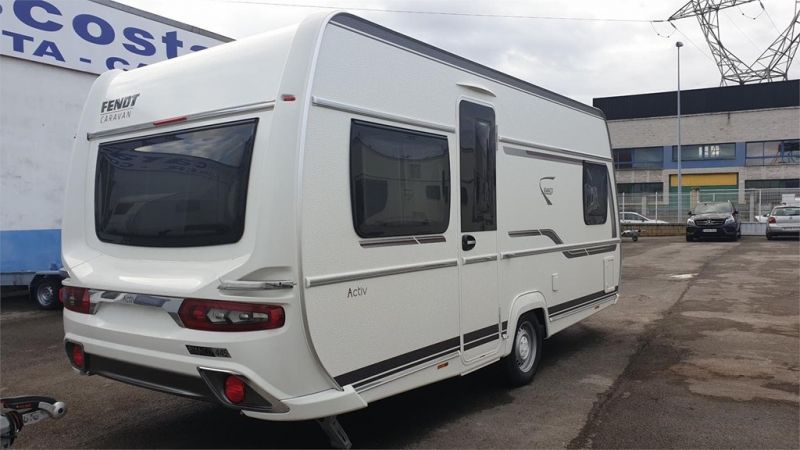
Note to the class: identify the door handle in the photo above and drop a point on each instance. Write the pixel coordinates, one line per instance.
(468, 242)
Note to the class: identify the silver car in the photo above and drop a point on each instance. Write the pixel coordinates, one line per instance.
(783, 221)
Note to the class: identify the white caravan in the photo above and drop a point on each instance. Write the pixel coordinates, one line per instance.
(303, 222)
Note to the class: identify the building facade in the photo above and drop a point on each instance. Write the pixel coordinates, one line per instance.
(734, 139)
(51, 51)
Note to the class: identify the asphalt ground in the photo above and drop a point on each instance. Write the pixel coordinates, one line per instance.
(702, 350)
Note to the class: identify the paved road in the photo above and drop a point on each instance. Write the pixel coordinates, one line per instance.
(703, 350)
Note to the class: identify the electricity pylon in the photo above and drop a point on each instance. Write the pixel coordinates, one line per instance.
(772, 65)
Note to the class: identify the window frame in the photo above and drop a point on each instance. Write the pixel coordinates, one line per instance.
(190, 241)
(600, 195)
(372, 232)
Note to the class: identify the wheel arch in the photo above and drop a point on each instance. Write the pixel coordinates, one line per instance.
(532, 302)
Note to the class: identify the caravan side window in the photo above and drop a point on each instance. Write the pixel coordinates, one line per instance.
(399, 181)
(595, 193)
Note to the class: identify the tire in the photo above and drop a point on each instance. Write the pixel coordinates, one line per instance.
(689, 239)
(45, 293)
(634, 238)
(769, 237)
(520, 366)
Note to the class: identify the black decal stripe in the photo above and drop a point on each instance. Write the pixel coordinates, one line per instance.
(586, 299)
(552, 235)
(577, 253)
(543, 232)
(481, 341)
(480, 334)
(399, 361)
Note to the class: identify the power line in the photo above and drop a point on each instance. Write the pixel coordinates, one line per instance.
(742, 32)
(770, 18)
(446, 13)
(693, 44)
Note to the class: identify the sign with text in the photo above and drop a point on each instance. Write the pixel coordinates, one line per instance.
(90, 37)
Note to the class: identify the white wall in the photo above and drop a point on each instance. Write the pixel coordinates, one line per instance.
(40, 106)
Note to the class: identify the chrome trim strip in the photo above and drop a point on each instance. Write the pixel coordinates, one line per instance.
(479, 259)
(169, 304)
(344, 107)
(243, 285)
(555, 248)
(581, 308)
(404, 240)
(542, 156)
(213, 114)
(570, 153)
(375, 273)
(404, 373)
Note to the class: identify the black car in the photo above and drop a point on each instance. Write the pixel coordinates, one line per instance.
(713, 220)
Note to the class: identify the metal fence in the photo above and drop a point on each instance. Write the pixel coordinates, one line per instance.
(752, 204)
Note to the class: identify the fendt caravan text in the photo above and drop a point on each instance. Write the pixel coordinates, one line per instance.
(300, 223)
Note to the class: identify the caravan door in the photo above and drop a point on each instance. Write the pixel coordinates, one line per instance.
(479, 312)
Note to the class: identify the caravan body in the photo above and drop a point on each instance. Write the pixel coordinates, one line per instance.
(330, 214)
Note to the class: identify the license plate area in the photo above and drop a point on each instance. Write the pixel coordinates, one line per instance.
(710, 230)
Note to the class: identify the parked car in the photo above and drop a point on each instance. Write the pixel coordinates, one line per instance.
(632, 218)
(713, 219)
(783, 221)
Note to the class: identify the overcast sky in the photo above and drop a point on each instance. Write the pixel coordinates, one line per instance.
(578, 58)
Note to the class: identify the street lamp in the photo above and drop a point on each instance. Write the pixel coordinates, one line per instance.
(679, 44)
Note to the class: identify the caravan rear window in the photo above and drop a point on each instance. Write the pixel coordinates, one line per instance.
(182, 189)
(400, 181)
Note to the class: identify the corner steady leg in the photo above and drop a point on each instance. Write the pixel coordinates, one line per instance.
(336, 434)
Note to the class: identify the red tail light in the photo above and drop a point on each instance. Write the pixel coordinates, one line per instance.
(75, 299)
(235, 389)
(217, 315)
(772, 219)
(76, 355)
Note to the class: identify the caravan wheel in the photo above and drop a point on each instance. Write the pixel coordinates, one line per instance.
(521, 364)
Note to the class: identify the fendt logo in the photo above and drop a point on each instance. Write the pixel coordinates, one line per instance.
(547, 191)
(118, 108)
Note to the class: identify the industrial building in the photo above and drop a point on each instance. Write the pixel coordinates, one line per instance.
(735, 140)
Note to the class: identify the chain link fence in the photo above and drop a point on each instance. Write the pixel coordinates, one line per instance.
(752, 204)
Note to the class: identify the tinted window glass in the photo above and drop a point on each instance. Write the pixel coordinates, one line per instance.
(711, 208)
(182, 189)
(639, 188)
(704, 152)
(478, 153)
(623, 159)
(649, 158)
(595, 193)
(400, 181)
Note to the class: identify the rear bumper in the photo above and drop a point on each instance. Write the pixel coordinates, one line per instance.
(782, 231)
(148, 371)
(712, 231)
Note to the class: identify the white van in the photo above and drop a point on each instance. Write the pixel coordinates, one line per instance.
(303, 222)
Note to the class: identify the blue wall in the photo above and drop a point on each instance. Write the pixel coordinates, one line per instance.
(30, 250)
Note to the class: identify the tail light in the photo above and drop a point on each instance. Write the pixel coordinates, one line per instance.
(235, 389)
(217, 315)
(75, 299)
(772, 219)
(76, 355)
